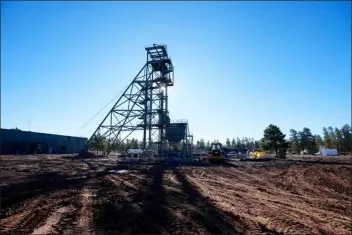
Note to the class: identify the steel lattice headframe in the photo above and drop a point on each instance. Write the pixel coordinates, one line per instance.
(143, 105)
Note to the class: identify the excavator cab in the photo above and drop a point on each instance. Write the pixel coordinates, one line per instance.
(216, 154)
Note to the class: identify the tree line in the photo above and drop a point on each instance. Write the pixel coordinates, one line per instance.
(273, 140)
(333, 138)
(297, 141)
(244, 142)
(101, 143)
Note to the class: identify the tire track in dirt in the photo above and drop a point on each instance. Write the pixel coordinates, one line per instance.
(143, 208)
(17, 214)
(14, 194)
(267, 200)
(130, 208)
(46, 210)
(85, 217)
(53, 220)
(211, 218)
(194, 217)
(41, 204)
(292, 199)
(242, 219)
(295, 208)
(153, 211)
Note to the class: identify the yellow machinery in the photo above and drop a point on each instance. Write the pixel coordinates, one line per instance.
(216, 154)
(254, 155)
(259, 155)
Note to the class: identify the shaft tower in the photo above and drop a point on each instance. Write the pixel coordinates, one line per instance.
(143, 106)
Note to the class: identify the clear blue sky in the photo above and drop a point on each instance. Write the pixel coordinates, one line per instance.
(239, 66)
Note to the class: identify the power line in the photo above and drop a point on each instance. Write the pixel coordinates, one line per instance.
(91, 119)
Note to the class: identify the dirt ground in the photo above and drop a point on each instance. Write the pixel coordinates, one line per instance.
(58, 195)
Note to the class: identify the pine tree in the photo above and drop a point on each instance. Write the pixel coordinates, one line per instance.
(294, 141)
(339, 140)
(319, 141)
(307, 140)
(333, 137)
(233, 143)
(273, 140)
(347, 137)
(327, 138)
(238, 143)
(228, 143)
(257, 144)
(201, 143)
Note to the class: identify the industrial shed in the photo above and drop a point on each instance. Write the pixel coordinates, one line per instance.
(14, 141)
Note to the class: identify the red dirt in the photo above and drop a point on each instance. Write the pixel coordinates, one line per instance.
(58, 195)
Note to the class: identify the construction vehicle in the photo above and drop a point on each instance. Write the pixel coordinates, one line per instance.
(216, 153)
(258, 155)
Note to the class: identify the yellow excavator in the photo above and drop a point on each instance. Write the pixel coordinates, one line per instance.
(216, 153)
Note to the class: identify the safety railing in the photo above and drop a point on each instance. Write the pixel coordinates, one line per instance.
(179, 121)
(159, 58)
(156, 44)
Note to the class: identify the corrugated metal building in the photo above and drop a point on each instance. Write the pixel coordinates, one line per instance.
(14, 141)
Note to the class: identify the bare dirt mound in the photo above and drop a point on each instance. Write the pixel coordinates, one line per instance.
(310, 199)
(63, 196)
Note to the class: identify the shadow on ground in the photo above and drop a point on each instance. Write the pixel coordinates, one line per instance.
(40, 185)
(121, 209)
(141, 212)
(213, 219)
(45, 183)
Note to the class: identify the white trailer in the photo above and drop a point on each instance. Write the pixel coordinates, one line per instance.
(135, 151)
(329, 152)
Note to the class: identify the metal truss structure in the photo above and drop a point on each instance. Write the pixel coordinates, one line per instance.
(143, 106)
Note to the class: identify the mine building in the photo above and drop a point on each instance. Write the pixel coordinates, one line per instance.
(15, 141)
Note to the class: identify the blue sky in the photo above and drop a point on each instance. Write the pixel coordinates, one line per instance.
(239, 66)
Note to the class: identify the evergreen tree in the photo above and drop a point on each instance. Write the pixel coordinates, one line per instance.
(346, 132)
(257, 144)
(294, 142)
(201, 143)
(339, 140)
(238, 143)
(228, 143)
(327, 138)
(307, 140)
(246, 142)
(251, 143)
(273, 140)
(134, 143)
(99, 143)
(332, 137)
(319, 141)
(233, 143)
